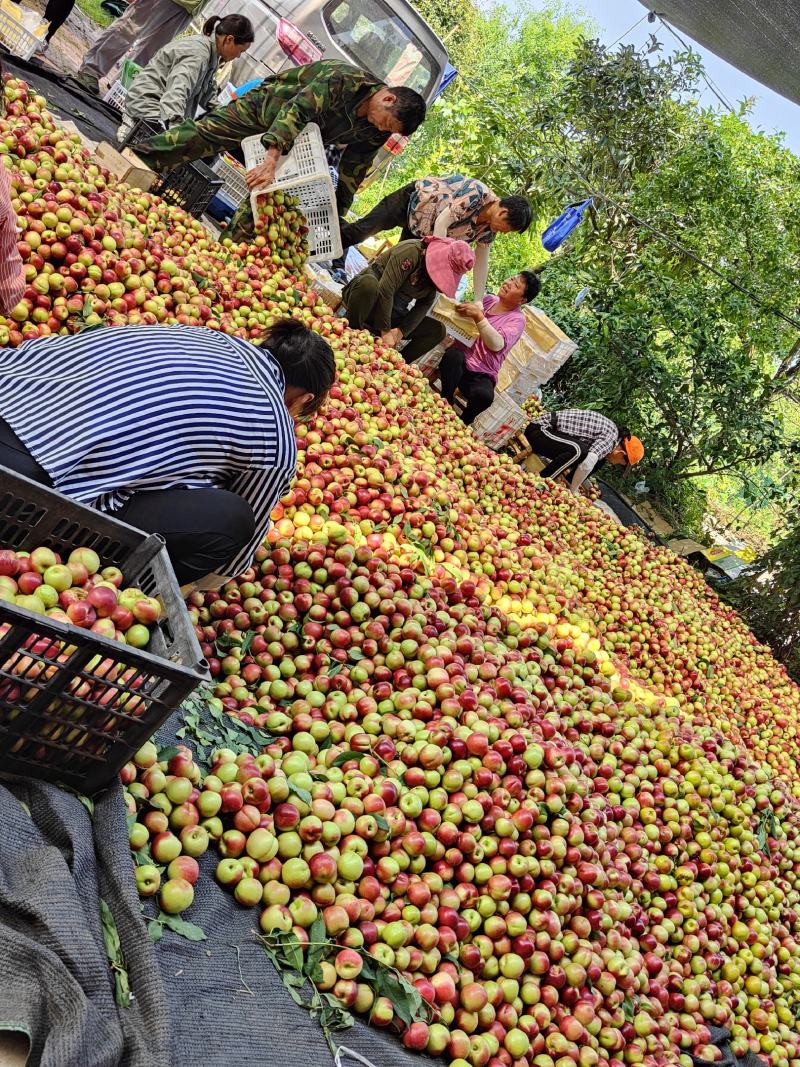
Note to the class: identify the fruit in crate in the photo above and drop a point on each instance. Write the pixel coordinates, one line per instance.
(77, 590)
(280, 229)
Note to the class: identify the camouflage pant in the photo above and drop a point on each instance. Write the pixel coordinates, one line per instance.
(218, 131)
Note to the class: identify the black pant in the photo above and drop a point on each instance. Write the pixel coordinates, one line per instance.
(360, 297)
(476, 388)
(204, 528)
(391, 212)
(564, 453)
(56, 13)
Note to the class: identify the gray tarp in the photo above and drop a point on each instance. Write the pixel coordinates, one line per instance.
(760, 37)
(190, 1002)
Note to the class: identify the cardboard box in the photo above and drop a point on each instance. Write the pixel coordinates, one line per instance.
(327, 289)
(125, 166)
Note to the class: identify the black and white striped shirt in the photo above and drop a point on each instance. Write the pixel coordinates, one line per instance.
(109, 412)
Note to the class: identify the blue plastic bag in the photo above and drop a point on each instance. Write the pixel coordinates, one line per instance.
(252, 84)
(557, 232)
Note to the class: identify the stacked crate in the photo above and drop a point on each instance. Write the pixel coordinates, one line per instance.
(541, 351)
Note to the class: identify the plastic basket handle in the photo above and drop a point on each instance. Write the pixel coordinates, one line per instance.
(144, 553)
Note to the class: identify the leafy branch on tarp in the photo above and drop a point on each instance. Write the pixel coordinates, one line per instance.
(122, 988)
(209, 728)
(300, 970)
(157, 924)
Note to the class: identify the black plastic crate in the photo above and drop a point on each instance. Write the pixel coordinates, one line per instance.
(192, 186)
(140, 131)
(75, 706)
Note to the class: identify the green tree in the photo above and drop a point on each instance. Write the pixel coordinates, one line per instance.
(667, 346)
(768, 596)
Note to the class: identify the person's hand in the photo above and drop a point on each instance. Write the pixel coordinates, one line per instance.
(262, 175)
(391, 338)
(472, 311)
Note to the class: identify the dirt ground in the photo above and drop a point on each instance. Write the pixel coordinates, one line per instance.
(69, 45)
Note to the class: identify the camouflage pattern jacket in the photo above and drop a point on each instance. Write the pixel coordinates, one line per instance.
(328, 93)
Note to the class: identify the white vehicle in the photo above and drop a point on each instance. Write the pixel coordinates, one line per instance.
(388, 38)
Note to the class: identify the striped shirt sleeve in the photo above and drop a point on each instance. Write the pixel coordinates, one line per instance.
(262, 489)
(12, 274)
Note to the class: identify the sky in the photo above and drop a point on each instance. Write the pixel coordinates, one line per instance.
(771, 111)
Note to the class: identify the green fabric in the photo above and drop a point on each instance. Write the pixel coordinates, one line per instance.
(327, 93)
(192, 6)
(401, 276)
(179, 79)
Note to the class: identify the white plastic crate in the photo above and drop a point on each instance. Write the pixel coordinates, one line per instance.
(233, 176)
(522, 387)
(510, 369)
(226, 95)
(500, 422)
(304, 174)
(305, 159)
(19, 40)
(116, 95)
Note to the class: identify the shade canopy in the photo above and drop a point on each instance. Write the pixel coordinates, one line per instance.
(759, 37)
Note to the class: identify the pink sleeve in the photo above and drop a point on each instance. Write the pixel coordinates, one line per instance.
(12, 275)
(513, 330)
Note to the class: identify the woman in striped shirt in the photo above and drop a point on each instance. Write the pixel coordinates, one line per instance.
(178, 430)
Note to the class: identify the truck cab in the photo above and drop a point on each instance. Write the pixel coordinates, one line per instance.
(388, 38)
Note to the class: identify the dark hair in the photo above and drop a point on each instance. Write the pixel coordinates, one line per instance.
(533, 283)
(520, 213)
(305, 358)
(236, 26)
(409, 108)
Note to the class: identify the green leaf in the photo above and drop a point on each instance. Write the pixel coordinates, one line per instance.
(155, 930)
(142, 856)
(181, 926)
(227, 641)
(301, 794)
(334, 669)
(345, 757)
(122, 989)
(165, 754)
(317, 949)
(382, 823)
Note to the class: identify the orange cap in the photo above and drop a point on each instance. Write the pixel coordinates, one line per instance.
(634, 449)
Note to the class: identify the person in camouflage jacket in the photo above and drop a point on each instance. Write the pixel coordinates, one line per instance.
(351, 108)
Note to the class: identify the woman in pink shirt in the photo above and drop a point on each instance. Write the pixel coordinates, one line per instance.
(473, 371)
(12, 273)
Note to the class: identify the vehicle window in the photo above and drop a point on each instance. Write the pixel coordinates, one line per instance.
(378, 40)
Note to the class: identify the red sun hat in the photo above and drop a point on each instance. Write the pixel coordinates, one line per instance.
(446, 262)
